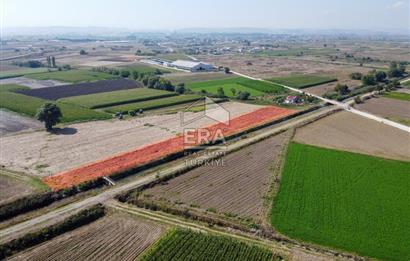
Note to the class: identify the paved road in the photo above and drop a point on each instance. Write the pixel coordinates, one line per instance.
(342, 105)
(11, 232)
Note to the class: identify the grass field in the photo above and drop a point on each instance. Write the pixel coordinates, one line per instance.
(29, 105)
(397, 95)
(106, 99)
(21, 72)
(255, 88)
(302, 81)
(73, 76)
(12, 87)
(345, 200)
(187, 245)
(153, 104)
(144, 68)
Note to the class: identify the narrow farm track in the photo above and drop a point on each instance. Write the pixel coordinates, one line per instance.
(14, 231)
(339, 104)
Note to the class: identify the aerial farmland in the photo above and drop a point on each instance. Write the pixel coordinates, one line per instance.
(204, 144)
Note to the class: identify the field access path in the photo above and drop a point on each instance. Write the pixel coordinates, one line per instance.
(12, 232)
(342, 105)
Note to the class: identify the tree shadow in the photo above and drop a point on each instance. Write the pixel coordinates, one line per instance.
(64, 131)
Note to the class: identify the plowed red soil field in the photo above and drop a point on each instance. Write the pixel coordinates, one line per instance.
(149, 153)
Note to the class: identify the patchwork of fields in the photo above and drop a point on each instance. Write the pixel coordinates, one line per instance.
(73, 76)
(115, 237)
(129, 160)
(346, 131)
(235, 185)
(187, 245)
(255, 88)
(348, 201)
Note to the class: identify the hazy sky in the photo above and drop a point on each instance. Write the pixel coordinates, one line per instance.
(177, 14)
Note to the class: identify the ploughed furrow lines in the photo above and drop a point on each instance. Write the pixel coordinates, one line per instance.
(114, 237)
(235, 185)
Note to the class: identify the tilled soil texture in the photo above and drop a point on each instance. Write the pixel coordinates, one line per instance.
(234, 185)
(12, 189)
(156, 151)
(350, 132)
(116, 237)
(386, 107)
(11, 122)
(58, 92)
(81, 143)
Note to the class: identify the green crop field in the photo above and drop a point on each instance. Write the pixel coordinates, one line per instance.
(302, 81)
(255, 88)
(397, 95)
(193, 246)
(144, 68)
(115, 98)
(153, 104)
(12, 87)
(73, 76)
(29, 105)
(21, 72)
(345, 200)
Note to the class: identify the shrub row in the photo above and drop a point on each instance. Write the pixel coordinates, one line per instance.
(36, 201)
(31, 239)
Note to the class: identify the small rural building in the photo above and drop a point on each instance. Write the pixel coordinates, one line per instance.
(193, 66)
(291, 100)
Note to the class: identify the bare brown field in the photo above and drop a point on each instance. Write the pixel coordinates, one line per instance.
(350, 132)
(235, 185)
(12, 189)
(386, 107)
(323, 88)
(115, 237)
(41, 153)
(11, 122)
(267, 67)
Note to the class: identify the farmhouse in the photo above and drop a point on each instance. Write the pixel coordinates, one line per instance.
(192, 66)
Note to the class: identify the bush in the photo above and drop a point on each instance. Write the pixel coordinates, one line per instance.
(82, 218)
(125, 73)
(356, 76)
(132, 113)
(180, 88)
(358, 100)
(243, 96)
(369, 79)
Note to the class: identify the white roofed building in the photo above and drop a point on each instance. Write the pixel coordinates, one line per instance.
(193, 66)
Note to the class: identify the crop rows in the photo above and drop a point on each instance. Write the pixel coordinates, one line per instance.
(106, 99)
(58, 92)
(129, 160)
(73, 76)
(111, 238)
(237, 185)
(345, 200)
(187, 245)
(29, 105)
(154, 104)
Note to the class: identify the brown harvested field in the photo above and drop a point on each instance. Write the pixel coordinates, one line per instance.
(236, 184)
(12, 189)
(115, 237)
(386, 107)
(350, 132)
(267, 67)
(323, 88)
(41, 153)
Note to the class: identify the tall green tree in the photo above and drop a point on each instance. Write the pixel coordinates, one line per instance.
(50, 114)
